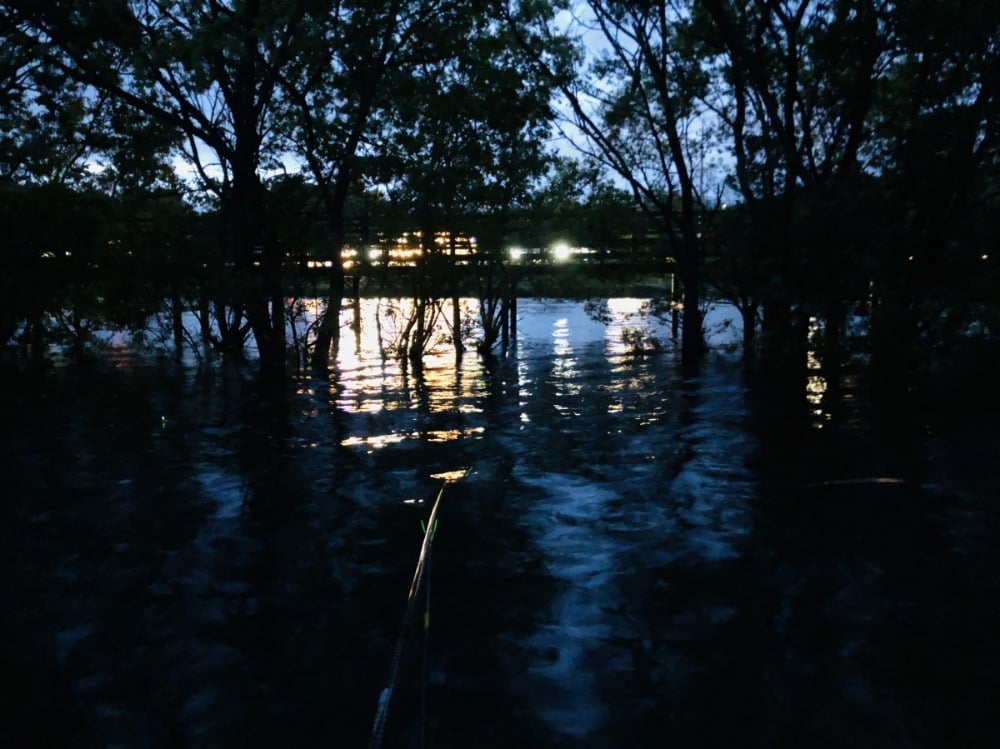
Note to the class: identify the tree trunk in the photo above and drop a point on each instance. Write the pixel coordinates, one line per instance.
(456, 326)
(692, 337)
(748, 312)
(328, 332)
(512, 309)
(177, 320)
(205, 322)
(257, 260)
(456, 313)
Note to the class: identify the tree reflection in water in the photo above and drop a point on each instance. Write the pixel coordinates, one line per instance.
(640, 556)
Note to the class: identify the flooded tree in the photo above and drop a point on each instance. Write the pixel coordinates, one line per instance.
(496, 293)
(934, 149)
(637, 106)
(858, 140)
(71, 162)
(335, 90)
(209, 72)
(461, 147)
(861, 134)
(796, 113)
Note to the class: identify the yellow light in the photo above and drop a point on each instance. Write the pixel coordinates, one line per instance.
(815, 389)
(375, 441)
(451, 476)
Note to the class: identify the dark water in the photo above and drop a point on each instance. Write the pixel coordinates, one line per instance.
(638, 557)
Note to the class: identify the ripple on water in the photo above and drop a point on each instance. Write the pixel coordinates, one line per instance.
(225, 489)
(629, 566)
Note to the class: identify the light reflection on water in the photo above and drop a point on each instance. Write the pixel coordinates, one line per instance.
(639, 554)
(378, 441)
(367, 371)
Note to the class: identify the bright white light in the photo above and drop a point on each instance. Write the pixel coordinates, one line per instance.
(984, 256)
(516, 253)
(374, 253)
(561, 252)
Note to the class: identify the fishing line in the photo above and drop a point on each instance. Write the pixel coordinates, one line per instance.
(422, 569)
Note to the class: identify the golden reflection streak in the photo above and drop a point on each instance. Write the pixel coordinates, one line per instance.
(816, 385)
(451, 476)
(378, 441)
(375, 441)
(365, 376)
(815, 389)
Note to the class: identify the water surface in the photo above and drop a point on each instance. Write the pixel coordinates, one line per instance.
(639, 556)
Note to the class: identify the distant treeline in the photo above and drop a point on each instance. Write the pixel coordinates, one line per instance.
(809, 160)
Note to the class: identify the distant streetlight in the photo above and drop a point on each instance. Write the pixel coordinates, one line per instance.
(516, 254)
(561, 252)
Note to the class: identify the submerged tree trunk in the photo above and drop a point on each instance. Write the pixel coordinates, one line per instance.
(692, 337)
(748, 313)
(177, 322)
(893, 336)
(356, 322)
(689, 269)
(205, 322)
(456, 311)
(256, 258)
(777, 344)
(512, 308)
(504, 324)
(328, 332)
(456, 326)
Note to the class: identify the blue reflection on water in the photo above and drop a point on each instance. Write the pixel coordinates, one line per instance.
(641, 556)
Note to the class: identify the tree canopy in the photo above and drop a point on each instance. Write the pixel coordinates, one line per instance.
(854, 141)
